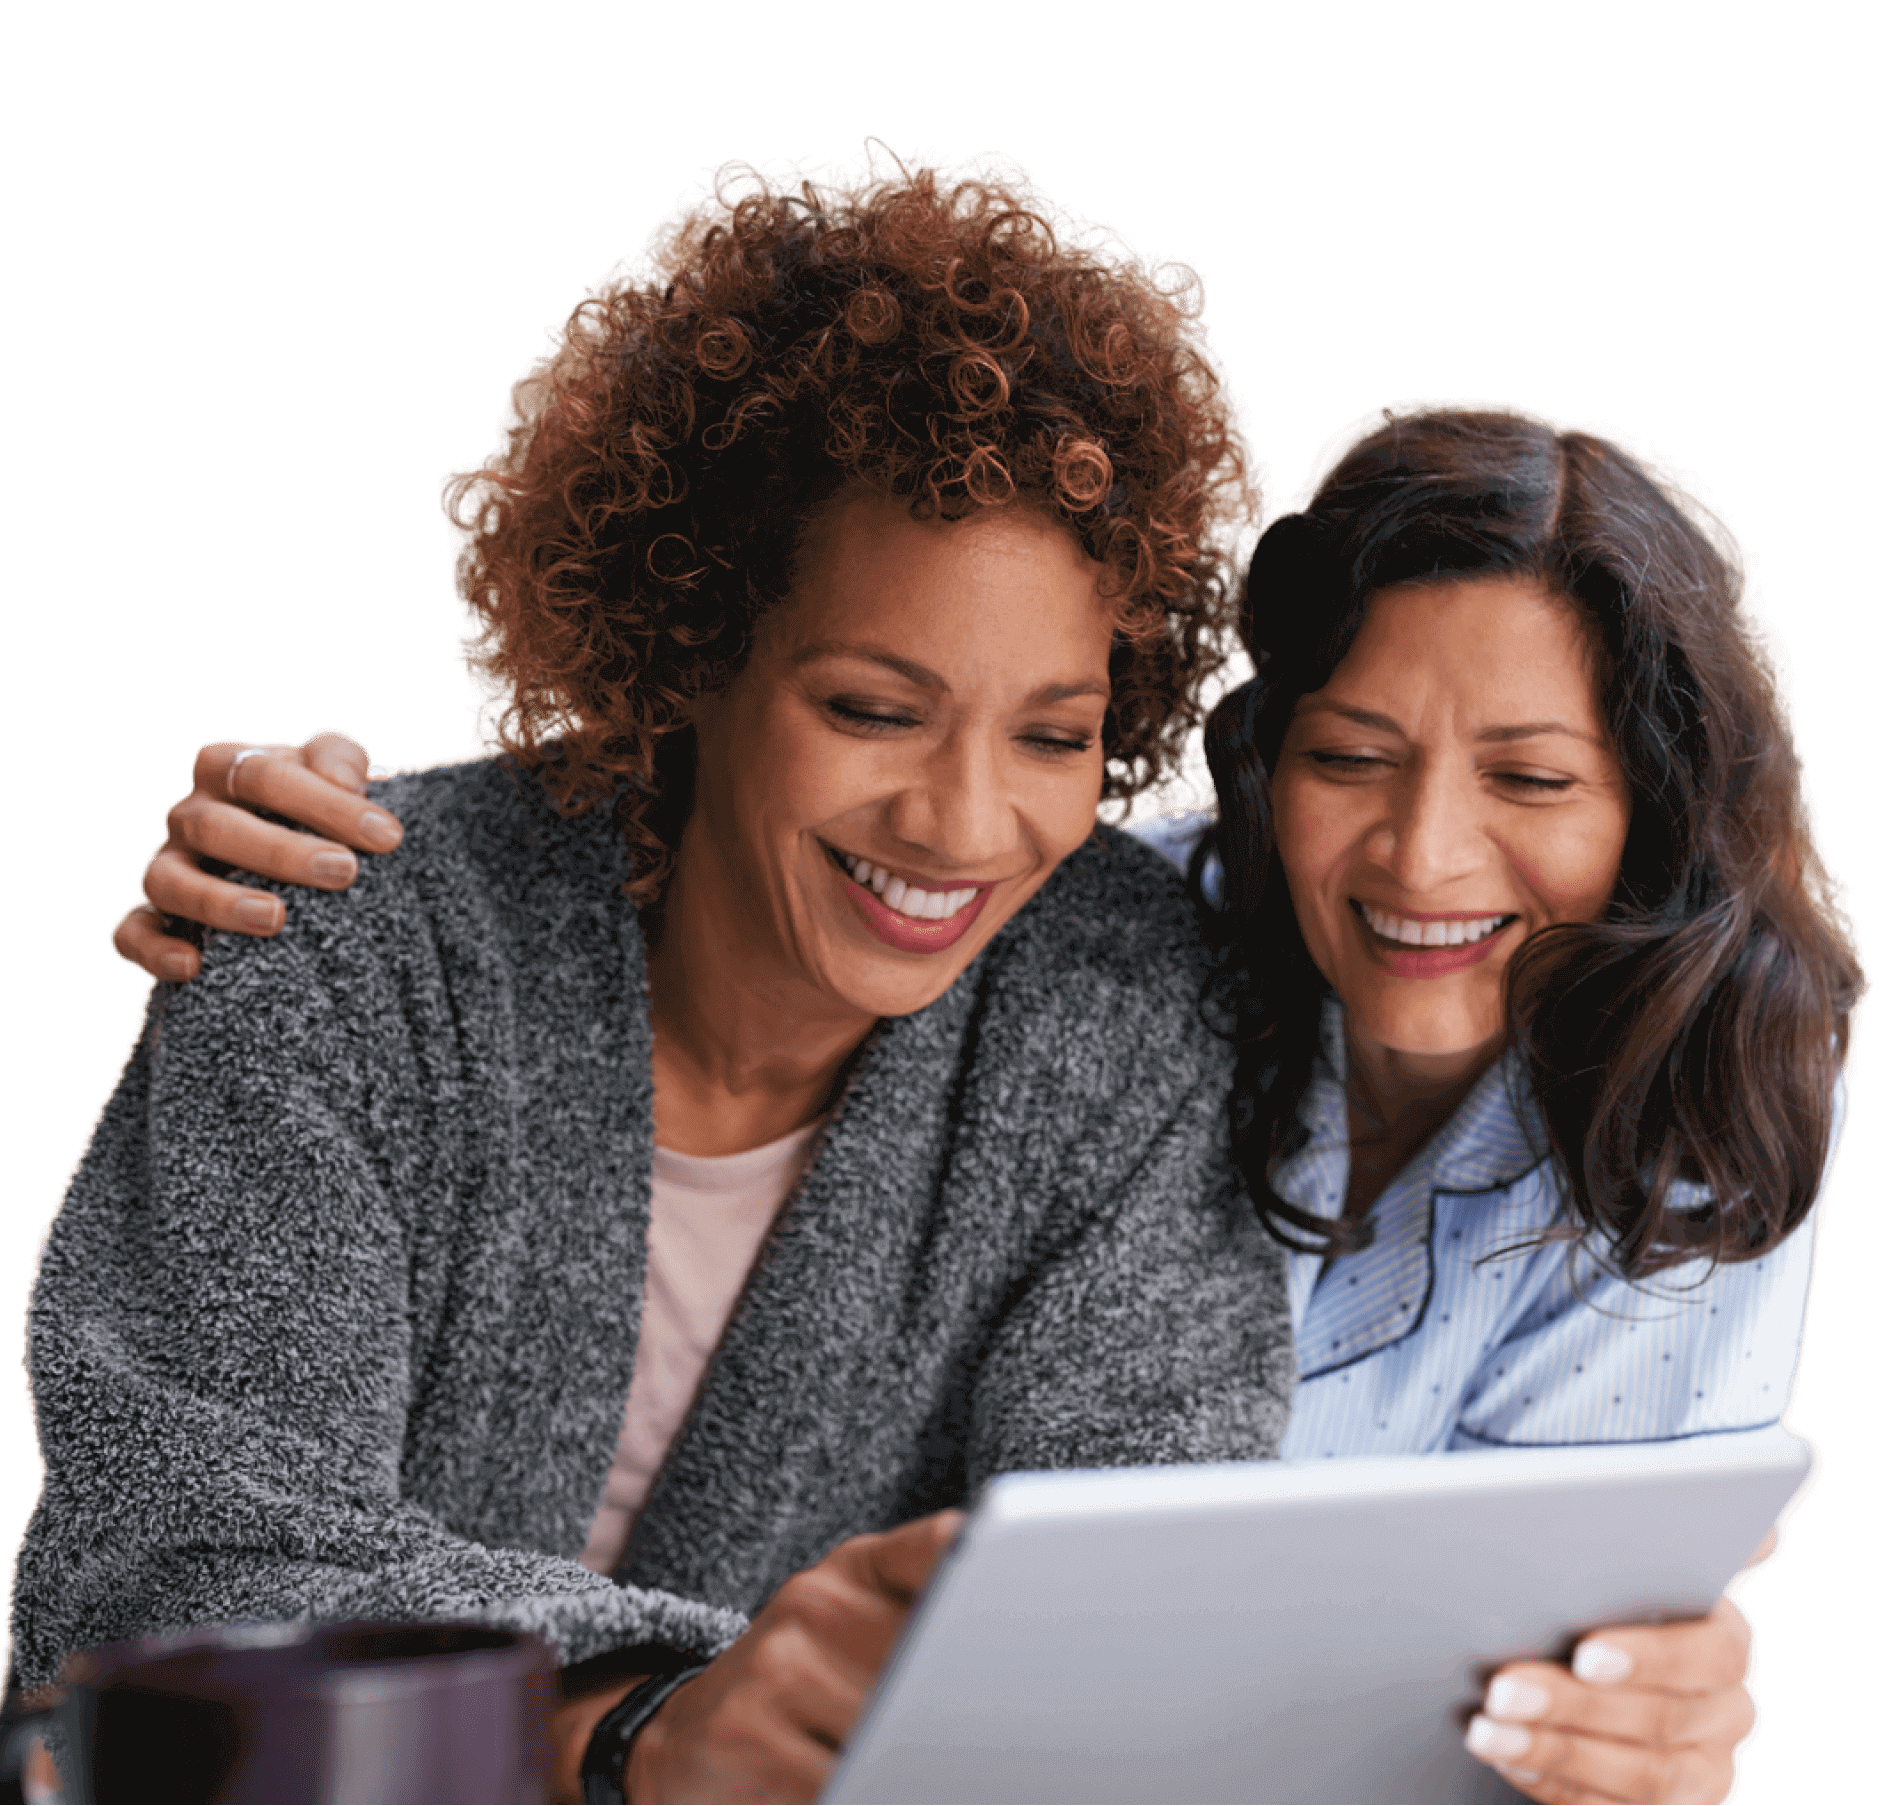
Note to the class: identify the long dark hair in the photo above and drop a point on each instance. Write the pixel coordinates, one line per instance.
(1696, 1030)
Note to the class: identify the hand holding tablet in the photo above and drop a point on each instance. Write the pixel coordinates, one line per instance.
(1644, 1712)
(1315, 1631)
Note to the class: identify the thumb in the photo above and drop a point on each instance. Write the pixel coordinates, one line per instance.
(898, 1562)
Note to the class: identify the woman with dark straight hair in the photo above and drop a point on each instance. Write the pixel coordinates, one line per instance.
(1537, 1002)
(1692, 1031)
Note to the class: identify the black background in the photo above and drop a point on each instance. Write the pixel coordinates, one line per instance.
(264, 373)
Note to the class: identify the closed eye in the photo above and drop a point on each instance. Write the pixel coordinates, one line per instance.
(870, 721)
(1356, 763)
(1522, 780)
(859, 717)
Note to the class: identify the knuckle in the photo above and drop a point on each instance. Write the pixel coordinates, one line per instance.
(156, 882)
(788, 1600)
(334, 749)
(780, 1658)
(1739, 1715)
(211, 760)
(809, 1598)
(835, 1612)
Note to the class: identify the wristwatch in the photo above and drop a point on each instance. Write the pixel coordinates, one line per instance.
(604, 1761)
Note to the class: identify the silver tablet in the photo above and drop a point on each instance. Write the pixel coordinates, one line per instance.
(1304, 1631)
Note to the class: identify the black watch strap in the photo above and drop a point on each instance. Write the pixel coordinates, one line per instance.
(604, 1761)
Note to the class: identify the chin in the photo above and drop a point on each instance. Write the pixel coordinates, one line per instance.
(1431, 1030)
(886, 998)
(877, 986)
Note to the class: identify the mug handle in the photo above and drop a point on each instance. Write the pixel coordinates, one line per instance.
(22, 1724)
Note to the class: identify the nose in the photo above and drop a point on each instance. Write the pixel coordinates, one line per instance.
(1431, 834)
(955, 808)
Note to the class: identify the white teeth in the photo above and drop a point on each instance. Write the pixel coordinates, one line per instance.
(1431, 934)
(907, 899)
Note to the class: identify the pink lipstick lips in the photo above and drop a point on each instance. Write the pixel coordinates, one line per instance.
(1406, 961)
(907, 933)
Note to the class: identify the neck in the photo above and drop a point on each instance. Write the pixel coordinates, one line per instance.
(745, 1049)
(1394, 1084)
(1394, 1103)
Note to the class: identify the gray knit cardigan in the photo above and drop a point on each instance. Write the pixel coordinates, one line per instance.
(338, 1318)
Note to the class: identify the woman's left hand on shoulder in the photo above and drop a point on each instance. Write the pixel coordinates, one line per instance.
(1646, 1712)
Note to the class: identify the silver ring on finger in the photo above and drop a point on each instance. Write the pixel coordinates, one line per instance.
(234, 765)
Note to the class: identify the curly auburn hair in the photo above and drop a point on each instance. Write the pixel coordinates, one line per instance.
(938, 343)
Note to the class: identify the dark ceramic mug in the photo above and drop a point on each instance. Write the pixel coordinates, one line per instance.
(412, 1712)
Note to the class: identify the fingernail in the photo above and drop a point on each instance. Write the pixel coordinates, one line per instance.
(1521, 1776)
(333, 868)
(378, 828)
(1496, 1742)
(1598, 1662)
(378, 771)
(175, 967)
(258, 912)
(1511, 1697)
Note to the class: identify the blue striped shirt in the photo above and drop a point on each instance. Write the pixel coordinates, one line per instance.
(1449, 1333)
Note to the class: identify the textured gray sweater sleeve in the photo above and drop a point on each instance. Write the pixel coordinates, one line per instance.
(223, 1359)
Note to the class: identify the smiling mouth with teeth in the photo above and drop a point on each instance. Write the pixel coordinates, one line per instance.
(903, 898)
(1406, 933)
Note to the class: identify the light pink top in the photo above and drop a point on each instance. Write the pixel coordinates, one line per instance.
(710, 1216)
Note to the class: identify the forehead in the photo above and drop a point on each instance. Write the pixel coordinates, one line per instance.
(1480, 651)
(868, 567)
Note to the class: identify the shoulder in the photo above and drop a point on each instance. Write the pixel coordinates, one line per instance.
(487, 872)
(1106, 966)
(492, 823)
(1114, 907)
(482, 831)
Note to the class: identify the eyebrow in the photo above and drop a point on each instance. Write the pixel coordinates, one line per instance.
(1525, 730)
(923, 678)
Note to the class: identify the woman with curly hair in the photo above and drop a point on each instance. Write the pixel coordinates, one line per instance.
(758, 1107)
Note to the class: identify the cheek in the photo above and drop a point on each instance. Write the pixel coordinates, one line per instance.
(1311, 836)
(1571, 867)
(791, 776)
(1066, 819)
